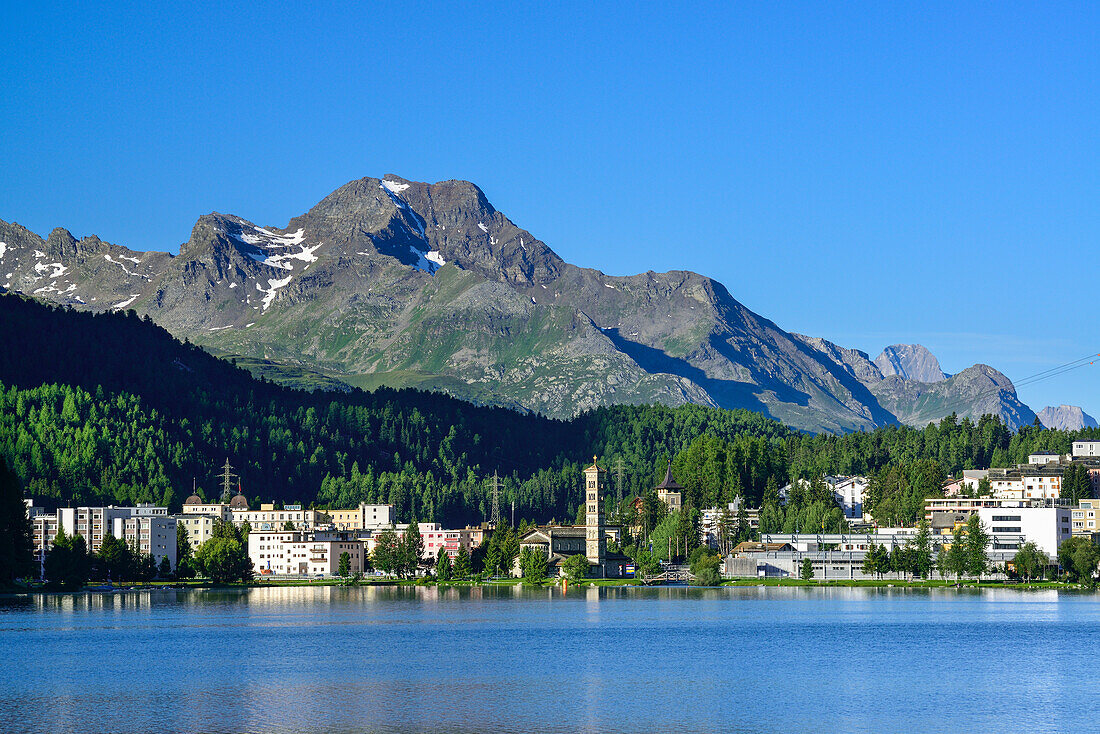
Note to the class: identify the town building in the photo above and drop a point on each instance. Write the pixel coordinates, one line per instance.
(1009, 527)
(966, 506)
(363, 517)
(468, 538)
(557, 543)
(1086, 449)
(153, 534)
(92, 523)
(268, 518)
(848, 493)
(972, 478)
(195, 505)
(304, 553)
(670, 492)
(199, 528)
(1086, 518)
(710, 521)
(1042, 458)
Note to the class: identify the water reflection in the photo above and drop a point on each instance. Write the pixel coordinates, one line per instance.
(513, 658)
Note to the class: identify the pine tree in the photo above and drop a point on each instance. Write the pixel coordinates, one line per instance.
(443, 566)
(411, 549)
(16, 533)
(977, 541)
(462, 568)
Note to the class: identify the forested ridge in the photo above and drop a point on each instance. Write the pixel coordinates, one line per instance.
(110, 408)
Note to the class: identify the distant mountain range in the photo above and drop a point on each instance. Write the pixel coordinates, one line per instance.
(394, 282)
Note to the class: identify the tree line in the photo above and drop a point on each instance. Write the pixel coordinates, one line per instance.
(111, 409)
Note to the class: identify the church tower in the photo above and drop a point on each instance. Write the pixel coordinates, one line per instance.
(595, 481)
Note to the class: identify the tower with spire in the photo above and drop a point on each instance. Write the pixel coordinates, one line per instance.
(595, 542)
(670, 492)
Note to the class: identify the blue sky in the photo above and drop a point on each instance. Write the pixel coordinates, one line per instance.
(872, 174)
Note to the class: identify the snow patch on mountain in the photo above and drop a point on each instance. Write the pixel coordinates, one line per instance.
(264, 241)
(394, 186)
(435, 257)
(123, 304)
(273, 289)
(58, 269)
(126, 270)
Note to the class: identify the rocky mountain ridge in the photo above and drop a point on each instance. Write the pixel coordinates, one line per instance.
(391, 281)
(910, 361)
(1066, 418)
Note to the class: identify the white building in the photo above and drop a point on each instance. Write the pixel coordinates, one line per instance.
(296, 552)
(93, 523)
(1086, 449)
(1046, 527)
(363, 517)
(1086, 518)
(154, 534)
(268, 518)
(1044, 457)
(972, 477)
(848, 493)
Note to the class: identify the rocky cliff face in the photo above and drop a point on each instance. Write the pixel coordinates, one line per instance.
(910, 361)
(1066, 418)
(389, 281)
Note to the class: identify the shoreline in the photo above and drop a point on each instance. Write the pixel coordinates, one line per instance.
(620, 583)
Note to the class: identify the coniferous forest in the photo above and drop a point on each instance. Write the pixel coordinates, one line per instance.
(109, 408)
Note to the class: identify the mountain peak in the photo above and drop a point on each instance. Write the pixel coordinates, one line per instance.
(1066, 418)
(911, 361)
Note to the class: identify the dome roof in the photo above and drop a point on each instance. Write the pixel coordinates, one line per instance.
(193, 500)
(239, 502)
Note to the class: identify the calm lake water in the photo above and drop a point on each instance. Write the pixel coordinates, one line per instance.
(508, 659)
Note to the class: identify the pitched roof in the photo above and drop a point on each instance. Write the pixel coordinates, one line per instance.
(669, 483)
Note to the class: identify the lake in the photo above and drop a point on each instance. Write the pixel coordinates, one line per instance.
(503, 659)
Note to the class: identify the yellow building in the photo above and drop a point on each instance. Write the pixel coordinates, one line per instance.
(670, 492)
(1086, 518)
(363, 517)
(200, 528)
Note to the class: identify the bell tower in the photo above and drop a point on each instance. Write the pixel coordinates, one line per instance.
(595, 545)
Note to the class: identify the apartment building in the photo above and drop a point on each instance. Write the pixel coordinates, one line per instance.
(93, 523)
(296, 552)
(1086, 449)
(1046, 527)
(1086, 518)
(200, 528)
(468, 538)
(154, 534)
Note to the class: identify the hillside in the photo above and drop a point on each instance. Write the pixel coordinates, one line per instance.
(108, 407)
(102, 408)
